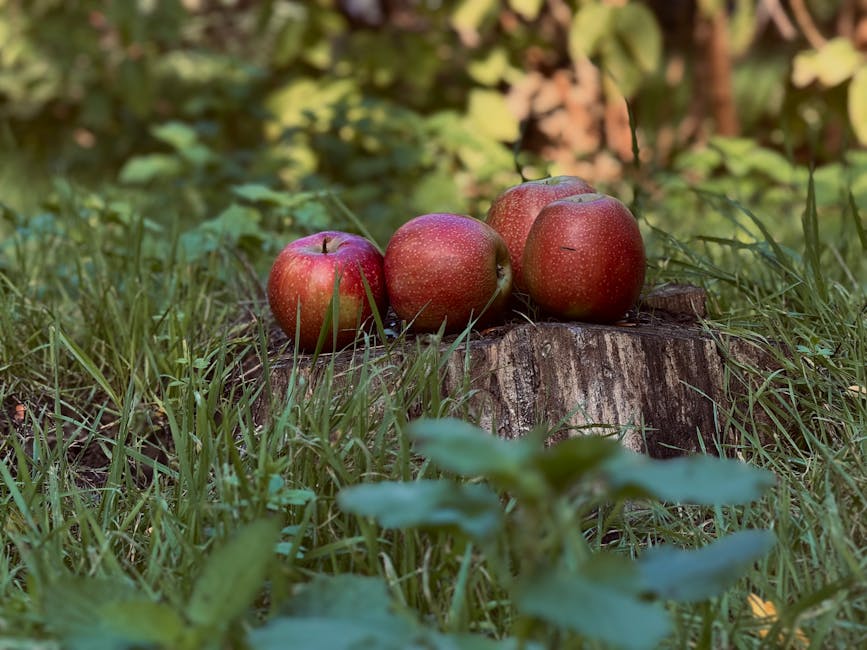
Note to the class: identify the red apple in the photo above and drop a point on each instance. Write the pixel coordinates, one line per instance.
(513, 212)
(302, 282)
(584, 258)
(447, 267)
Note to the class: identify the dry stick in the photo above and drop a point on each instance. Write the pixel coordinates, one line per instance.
(773, 10)
(847, 18)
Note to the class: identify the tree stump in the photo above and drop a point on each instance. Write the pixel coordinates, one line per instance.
(658, 380)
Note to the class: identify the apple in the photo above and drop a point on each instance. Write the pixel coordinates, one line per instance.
(445, 267)
(303, 279)
(584, 258)
(513, 212)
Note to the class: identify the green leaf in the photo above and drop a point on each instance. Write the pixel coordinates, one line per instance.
(177, 134)
(198, 155)
(321, 633)
(478, 642)
(257, 193)
(697, 574)
(233, 575)
(598, 604)
(570, 460)
(465, 449)
(280, 496)
(349, 611)
(636, 27)
(342, 596)
(771, 163)
(736, 153)
(235, 222)
(471, 508)
(617, 63)
(857, 103)
(100, 614)
(592, 23)
(145, 169)
(289, 42)
(230, 226)
(334, 612)
(702, 480)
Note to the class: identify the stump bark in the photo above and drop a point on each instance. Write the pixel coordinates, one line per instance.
(659, 380)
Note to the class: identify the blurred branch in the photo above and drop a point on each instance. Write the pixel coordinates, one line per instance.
(772, 10)
(847, 18)
(806, 24)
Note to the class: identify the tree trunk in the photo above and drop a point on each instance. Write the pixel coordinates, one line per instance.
(714, 78)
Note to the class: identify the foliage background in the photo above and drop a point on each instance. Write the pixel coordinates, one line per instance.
(401, 108)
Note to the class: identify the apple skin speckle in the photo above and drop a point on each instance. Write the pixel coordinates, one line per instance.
(513, 212)
(446, 267)
(585, 259)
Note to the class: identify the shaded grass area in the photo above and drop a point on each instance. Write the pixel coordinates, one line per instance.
(130, 448)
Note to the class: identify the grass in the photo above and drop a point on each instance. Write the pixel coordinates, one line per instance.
(132, 445)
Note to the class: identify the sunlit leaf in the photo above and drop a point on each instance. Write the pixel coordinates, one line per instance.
(836, 61)
(471, 508)
(698, 574)
(591, 24)
(703, 480)
(233, 574)
(528, 9)
(857, 104)
(290, 39)
(489, 113)
(303, 100)
(470, 14)
(492, 69)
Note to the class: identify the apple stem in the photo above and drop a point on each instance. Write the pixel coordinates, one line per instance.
(325, 246)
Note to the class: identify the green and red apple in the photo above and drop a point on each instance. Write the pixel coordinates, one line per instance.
(513, 212)
(584, 259)
(303, 280)
(447, 268)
